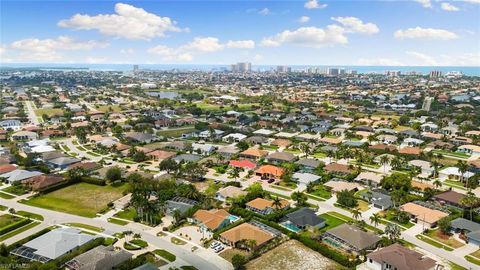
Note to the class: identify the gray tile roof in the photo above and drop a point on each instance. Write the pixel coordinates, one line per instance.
(304, 216)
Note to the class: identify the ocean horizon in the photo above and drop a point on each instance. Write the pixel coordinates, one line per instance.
(466, 70)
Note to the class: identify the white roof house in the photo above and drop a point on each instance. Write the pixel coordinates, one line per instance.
(19, 175)
(235, 137)
(305, 178)
(453, 172)
(263, 131)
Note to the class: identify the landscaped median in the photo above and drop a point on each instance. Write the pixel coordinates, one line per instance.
(165, 254)
(118, 221)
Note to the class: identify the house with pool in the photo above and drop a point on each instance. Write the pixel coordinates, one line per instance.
(212, 220)
(302, 219)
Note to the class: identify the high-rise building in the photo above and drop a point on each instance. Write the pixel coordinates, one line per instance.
(392, 73)
(427, 103)
(135, 68)
(333, 71)
(242, 67)
(435, 74)
(284, 69)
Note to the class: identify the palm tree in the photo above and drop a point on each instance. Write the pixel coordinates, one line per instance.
(306, 149)
(235, 173)
(356, 214)
(462, 168)
(330, 155)
(393, 231)
(437, 183)
(177, 216)
(277, 203)
(396, 162)
(375, 219)
(470, 201)
(384, 160)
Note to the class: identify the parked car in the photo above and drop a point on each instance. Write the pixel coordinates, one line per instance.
(215, 244)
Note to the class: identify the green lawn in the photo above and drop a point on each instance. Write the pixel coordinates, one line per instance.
(438, 236)
(165, 254)
(109, 108)
(434, 243)
(16, 190)
(81, 199)
(472, 259)
(390, 216)
(8, 219)
(18, 231)
(320, 155)
(6, 196)
(49, 112)
(453, 154)
(331, 222)
(128, 214)
(85, 226)
(30, 215)
(321, 191)
(117, 221)
(175, 132)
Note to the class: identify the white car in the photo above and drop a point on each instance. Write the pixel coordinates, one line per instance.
(215, 244)
(219, 248)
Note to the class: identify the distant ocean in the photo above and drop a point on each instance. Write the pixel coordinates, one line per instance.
(469, 71)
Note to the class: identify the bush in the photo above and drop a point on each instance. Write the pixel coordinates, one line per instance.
(94, 181)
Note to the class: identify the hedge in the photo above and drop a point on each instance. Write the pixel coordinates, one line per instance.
(94, 181)
(14, 226)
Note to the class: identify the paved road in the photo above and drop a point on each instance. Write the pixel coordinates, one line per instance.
(32, 116)
(201, 258)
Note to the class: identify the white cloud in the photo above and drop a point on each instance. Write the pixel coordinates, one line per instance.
(257, 57)
(425, 3)
(471, 1)
(128, 22)
(96, 60)
(312, 4)
(304, 19)
(355, 25)
(379, 62)
(203, 44)
(449, 7)
(308, 37)
(240, 44)
(466, 59)
(198, 45)
(264, 11)
(425, 33)
(50, 49)
(425, 60)
(127, 51)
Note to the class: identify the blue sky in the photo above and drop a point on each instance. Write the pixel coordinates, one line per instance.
(309, 32)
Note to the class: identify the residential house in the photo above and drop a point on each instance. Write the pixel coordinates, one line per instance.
(24, 136)
(99, 258)
(303, 219)
(257, 232)
(369, 178)
(52, 245)
(42, 182)
(378, 198)
(338, 169)
(18, 175)
(350, 238)
(399, 257)
(212, 220)
(140, 137)
(423, 214)
(179, 204)
(470, 149)
(264, 206)
(305, 178)
(61, 163)
(229, 192)
(204, 149)
(234, 137)
(244, 164)
(449, 198)
(253, 153)
(453, 173)
(280, 157)
(308, 164)
(336, 185)
(187, 158)
(270, 172)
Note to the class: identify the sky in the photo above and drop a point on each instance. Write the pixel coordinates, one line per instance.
(308, 32)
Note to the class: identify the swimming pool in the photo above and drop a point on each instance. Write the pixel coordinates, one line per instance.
(290, 226)
(233, 218)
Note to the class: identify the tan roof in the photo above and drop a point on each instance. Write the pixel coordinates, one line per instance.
(270, 169)
(248, 232)
(420, 185)
(281, 142)
(471, 147)
(254, 152)
(211, 218)
(423, 213)
(162, 154)
(330, 140)
(335, 167)
(261, 204)
(231, 192)
(410, 151)
(337, 186)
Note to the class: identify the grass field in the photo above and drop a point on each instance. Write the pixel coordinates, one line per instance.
(109, 108)
(177, 132)
(434, 243)
(49, 112)
(321, 191)
(80, 199)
